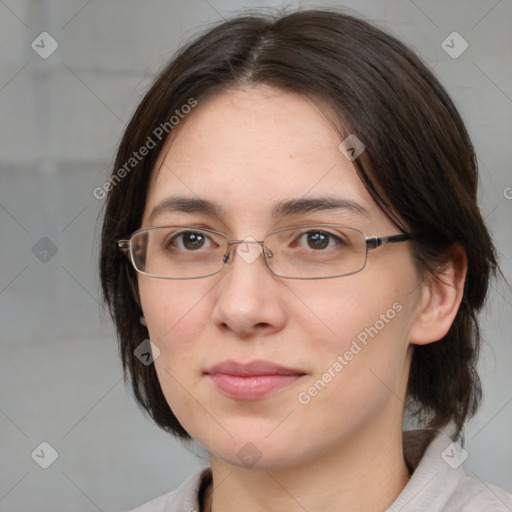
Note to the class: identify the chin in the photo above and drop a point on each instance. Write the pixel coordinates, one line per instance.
(257, 452)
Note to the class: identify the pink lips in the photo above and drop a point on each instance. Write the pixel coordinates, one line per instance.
(253, 380)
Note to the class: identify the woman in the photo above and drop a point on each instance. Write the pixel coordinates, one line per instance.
(292, 222)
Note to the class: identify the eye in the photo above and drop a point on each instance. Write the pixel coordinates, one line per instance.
(319, 240)
(187, 240)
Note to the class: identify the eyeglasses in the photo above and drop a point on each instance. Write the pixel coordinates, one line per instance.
(318, 251)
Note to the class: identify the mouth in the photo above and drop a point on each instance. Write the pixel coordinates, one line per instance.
(251, 381)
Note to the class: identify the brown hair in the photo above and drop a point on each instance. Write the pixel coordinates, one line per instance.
(419, 165)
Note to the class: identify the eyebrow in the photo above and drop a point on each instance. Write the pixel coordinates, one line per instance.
(284, 208)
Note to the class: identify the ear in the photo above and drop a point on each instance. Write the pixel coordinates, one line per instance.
(440, 299)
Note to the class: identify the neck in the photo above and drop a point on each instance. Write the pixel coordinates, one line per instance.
(366, 471)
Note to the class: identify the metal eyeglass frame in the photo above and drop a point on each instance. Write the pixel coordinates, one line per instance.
(372, 242)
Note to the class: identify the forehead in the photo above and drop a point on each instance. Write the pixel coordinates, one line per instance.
(247, 149)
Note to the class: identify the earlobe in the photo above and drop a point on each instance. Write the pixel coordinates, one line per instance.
(440, 299)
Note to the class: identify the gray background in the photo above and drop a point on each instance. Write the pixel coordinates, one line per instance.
(61, 118)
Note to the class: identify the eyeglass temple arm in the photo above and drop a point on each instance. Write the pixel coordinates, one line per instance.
(375, 241)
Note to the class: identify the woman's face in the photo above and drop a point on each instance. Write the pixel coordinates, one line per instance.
(344, 340)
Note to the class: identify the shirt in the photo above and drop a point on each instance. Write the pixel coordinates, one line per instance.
(438, 482)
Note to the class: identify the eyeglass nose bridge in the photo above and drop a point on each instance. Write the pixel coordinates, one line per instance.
(267, 253)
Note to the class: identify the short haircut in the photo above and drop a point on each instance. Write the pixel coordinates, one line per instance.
(419, 165)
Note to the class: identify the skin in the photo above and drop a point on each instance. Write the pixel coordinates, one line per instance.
(246, 149)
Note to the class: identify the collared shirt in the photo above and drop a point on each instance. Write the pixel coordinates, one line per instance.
(438, 482)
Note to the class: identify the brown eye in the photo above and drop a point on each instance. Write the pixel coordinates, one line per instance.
(187, 241)
(319, 240)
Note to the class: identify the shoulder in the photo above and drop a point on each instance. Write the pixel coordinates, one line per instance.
(439, 482)
(183, 499)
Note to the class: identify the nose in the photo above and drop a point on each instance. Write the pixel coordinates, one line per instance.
(250, 299)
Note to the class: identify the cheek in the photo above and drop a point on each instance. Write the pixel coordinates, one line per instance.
(365, 338)
(173, 311)
(176, 318)
(359, 375)
(346, 310)
(362, 357)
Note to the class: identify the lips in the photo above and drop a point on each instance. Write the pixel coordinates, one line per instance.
(251, 381)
